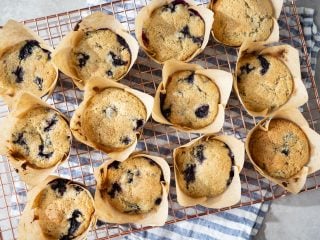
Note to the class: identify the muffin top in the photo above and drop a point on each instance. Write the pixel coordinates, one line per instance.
(26, 66)
(173, 32)
(64, 209)
(282, 151)
(101, 53)
(134, 185)
(42, 138)
(112, 118)
(239, 20)
(264, 82)
(191, 100)
(204, 168)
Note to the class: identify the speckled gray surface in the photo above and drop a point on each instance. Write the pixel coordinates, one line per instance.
(291, 217)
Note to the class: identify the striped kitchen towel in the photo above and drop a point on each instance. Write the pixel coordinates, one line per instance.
(241, 223)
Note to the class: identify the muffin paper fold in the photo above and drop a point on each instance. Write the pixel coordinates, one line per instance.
(29, 227)
(106, 212)
(290, 57)
(232, 194)
(295, 183)
(146, 12)
(95, 21)
(274, 35)
(12, 34)
(222, 79)
(25, 102)
(95, 85)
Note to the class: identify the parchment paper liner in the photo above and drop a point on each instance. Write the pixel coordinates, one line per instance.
(95, 85)
(222, 79)
(275, 33)
(146, 11)
(95, 21)
(290, 57)
(12, 34)
(232, 194)
(109, 214)
(295, 183)
(29, 227)
(23, 103)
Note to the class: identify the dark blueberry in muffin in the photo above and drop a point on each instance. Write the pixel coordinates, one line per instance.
(264, 64)
(193, 12)
(230, 177)
(76, 27)
(189, 174)
(78, 188)
(59, 185)
(122, 42)
(285, 151)
(50, 123)
(38, 81)
(74, 225)
(126, 140)
(114, 164)
(172, 6)
(202, 111)
(109, 73)
(20, 140)
(190, 78)
(42, 153)
(130, 175)
(246, 69)
(27, 49)
(19, 72)
(158, 201)
(116, 188)
(186, 33)
(82, 59)
(138, 124)
(198, 153)
(116, 60)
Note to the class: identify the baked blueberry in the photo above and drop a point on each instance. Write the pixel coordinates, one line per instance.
(19, 73)
(82, 59)
(264, 64)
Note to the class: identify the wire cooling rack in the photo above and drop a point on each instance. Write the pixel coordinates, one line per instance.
(156, 139)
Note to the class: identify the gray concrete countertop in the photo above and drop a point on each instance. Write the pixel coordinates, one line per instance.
(291, 217)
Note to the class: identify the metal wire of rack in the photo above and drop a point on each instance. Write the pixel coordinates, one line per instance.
(156, 139)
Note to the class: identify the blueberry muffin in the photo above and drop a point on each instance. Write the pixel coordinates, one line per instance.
(101, 53)
(173, 31)
(191, 100)
(204, 169)
(133, 186)
(282, 151)
(112, 118)
(41, 138)
(27, 67)
(264, 82)
(64, 209)
(238, 20)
